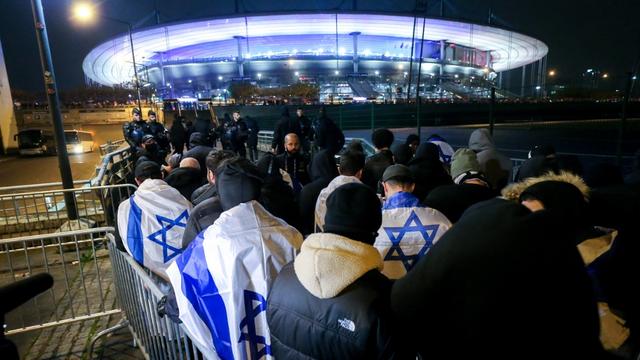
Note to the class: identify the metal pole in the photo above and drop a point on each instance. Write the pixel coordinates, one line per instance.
(373, 117)
(623, 118)
(135, 67)
(424, 20)
(413, 40)
(491, 104)
(54, 105)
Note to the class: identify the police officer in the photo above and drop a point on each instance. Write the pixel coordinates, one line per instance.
(159, 133)
(236, 133)
(135, 129)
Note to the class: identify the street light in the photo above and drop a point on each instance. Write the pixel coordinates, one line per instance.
(552, 73)
(85, 13)
(51, 87)
(605, 75)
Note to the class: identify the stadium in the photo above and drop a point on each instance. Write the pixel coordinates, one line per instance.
(349, 56)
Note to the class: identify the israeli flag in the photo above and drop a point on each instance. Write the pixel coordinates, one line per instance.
(222, 281)
(406, 234)
(151, 224)
(445, 151)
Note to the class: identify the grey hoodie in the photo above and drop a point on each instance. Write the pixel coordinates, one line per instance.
(495, 165)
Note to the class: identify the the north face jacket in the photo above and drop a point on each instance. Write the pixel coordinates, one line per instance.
(331, 303)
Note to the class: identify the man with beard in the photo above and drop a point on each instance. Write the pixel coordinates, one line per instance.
(294, 162)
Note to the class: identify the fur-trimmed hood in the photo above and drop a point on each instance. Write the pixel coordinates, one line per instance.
(513, 191)
(328, 263)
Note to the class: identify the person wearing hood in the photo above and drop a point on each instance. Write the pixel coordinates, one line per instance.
(323, 169)
(294, 162)
(186, 178)
(205, 127)
(198, 150)
(408, 229)
(306, 130)
(428, 172)
(402, 153)
(383, 158)
(151, 222)
(286, 125)
(222, 130)
(208, 190)
(328, 134)
(351, 166)
(230, 267)
(334, 292)
(495, 165)
(502, 283)
(470, 187)
(178, 135)
(413, 141)
(252, 138)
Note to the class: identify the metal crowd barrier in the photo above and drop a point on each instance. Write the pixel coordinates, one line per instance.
(43, 212)
(78, 262)
(138, 294)
(111, 146)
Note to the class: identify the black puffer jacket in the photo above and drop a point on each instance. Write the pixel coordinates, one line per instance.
(340, 314)
(375, 167)
(186, 180)
(427, 170)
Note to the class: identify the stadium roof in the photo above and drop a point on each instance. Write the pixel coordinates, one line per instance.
(110, 62)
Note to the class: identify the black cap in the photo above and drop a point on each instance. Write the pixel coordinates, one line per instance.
(353, 210)
(136, 111)
(151, 112)
(147, 138)
(148, 170)
(398, 172)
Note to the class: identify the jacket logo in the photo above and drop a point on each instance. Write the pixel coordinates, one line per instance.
(347, 324)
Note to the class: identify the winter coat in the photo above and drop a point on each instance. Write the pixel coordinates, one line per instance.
(321, 203)
(178, 133)
(502, 283)
(198, 150)
(252, 131)
(495, 165)
(203, 193)
(375, 167)
(202, 216)
(407, 232)
(322, 171)
(328, 135)
(453, 200)
(185, 180)
(335, 295)
(284, 126)
(296, 166)
(428, 172)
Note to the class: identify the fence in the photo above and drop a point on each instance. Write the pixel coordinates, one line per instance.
(78, 262)
(138, 295)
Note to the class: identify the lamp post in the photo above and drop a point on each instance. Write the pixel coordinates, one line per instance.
(85, 12)
(54, 106)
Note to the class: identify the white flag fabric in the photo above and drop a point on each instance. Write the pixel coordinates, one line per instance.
(222, 280)
(151, 224)
(406, 234)
(445, 151)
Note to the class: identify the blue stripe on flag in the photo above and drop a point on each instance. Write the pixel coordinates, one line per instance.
(134, 232)
(201, 291)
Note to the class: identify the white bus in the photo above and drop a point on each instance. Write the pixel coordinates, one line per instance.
(78, 142)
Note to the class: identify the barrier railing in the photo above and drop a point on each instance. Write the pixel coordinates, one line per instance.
(78, 262)
(138, 294)
(111, 146)
(42, 212)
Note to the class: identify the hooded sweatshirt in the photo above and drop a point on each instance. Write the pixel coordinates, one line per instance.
(336, 296)
(427, 170)
(495, 165)
(321, 203)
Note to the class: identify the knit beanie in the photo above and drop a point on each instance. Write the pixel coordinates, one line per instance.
(464, 161)
(354, 211)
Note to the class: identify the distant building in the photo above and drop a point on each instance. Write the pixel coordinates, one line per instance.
(349, 56)
(8, 127)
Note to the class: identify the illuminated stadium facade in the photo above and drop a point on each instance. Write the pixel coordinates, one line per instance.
(348, 55)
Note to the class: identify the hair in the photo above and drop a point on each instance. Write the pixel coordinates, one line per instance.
(355, 145)
(174, 160)
(400, 181)
(216, 157)
(412, 138)
(382, 138)
(190, 162)
(351, 162)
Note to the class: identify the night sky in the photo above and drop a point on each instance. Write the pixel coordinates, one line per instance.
(580, 34)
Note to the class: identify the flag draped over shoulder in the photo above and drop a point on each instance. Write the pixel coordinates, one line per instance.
(151, 224)
(222, 280)
(406, 234)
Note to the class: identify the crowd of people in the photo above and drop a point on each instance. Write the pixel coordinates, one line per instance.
(314, 250)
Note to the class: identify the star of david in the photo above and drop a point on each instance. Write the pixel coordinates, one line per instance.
(396, 234)
(251, 336)
(167, 224)
(446, 158)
